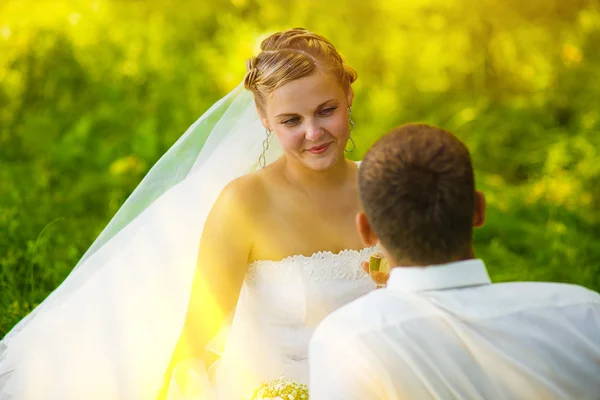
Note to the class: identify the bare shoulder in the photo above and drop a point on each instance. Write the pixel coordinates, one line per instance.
(246, 193)
(231, 221)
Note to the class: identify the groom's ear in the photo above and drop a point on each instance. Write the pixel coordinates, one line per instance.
(479, 212)
(365, 231)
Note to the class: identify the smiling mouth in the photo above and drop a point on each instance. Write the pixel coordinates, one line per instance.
(319, 149)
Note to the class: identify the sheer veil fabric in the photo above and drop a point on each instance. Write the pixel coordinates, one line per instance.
(109, 329)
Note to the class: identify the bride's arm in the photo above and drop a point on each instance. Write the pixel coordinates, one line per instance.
(222, 262)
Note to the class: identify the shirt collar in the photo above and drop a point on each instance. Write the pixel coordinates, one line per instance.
(438, 277)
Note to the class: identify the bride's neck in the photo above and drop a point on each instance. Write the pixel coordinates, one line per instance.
(299, 175)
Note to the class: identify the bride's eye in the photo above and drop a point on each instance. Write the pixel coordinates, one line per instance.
(328, 111)
(291, 121)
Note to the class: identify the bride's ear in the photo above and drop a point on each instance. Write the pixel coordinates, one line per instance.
(263, 118)
(365, 231)
(350, 96)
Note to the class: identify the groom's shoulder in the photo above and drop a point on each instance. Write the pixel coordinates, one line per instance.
(368, 313)
(383, 308)
(552, 293)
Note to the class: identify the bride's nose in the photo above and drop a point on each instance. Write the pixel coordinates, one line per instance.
(313, 131)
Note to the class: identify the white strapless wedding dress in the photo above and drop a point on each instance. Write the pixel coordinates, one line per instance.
(280, 305)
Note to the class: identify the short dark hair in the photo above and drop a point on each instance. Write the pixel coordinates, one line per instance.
(417, 190)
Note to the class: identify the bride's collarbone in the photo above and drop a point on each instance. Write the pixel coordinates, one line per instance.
(289, 232)
(287, 222)
(289, 214)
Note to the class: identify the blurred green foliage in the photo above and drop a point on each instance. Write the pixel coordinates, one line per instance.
(93, 92)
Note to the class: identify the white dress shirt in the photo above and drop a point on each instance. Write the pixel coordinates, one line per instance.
(446, 332)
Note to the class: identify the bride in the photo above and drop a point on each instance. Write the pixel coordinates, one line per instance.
(217, 254)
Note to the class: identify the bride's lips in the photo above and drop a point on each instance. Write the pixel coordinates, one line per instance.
(319, 149)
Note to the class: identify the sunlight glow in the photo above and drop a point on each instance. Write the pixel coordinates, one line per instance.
(5, 32)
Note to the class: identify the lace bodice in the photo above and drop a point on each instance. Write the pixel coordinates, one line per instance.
(280, 305)
(321, 265)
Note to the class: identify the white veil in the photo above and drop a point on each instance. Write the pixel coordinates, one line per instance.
(118, 315)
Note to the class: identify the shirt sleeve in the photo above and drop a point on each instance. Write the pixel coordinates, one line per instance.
(339, 367)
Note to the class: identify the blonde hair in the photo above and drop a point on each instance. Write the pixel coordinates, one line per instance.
(290, 55)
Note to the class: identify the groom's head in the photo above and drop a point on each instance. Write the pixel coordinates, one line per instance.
(418, 194)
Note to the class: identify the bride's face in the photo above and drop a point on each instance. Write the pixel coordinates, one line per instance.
(309, 117)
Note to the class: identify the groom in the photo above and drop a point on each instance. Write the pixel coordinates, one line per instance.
(441, 329)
